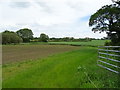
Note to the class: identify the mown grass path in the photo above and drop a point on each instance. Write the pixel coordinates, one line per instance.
(64, 70)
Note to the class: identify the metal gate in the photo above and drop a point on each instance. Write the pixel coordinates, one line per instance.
(109, 58)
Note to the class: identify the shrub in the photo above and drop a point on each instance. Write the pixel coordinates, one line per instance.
(10, 37)
(43, 38)
(108, 43)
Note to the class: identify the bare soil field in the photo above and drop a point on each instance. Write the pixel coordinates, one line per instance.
(13, 53)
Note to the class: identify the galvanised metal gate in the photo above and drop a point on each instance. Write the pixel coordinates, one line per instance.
(109, 58)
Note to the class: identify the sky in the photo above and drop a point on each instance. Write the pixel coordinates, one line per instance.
(56, 18)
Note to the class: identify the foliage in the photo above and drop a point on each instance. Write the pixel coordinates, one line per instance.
(107, 19)
(116, 1)
(9, 37)
(107, 43)
(69, 39)
(43, 38)
(26, 34)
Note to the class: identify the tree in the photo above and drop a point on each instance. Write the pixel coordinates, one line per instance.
(43, 38)
(107, 19)
(9, 37)
(26, 34)
(116, 1)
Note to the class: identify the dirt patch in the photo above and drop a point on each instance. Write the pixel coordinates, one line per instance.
(13, 53)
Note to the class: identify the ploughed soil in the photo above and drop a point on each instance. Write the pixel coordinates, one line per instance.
(14, 53)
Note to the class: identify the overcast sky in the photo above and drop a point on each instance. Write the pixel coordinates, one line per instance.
(56, 18)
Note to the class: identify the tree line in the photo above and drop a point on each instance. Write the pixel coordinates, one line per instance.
(67, 39)
(26, 35)
(22, 35)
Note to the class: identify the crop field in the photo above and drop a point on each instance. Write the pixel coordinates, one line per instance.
(13, 53)
(75, 68)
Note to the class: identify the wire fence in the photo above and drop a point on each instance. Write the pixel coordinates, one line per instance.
(109, 58)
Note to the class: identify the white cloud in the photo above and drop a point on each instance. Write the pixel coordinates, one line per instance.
(57, 18)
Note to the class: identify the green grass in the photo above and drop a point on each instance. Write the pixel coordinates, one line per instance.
(73, 69)
(89, 43)
(81, 43)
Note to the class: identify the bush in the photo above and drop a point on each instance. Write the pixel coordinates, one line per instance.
(112, 43)
(10, 37)
(43, 38)
(108, 43)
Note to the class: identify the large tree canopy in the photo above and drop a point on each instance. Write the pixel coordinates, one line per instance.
(26, 34)
(107, 19)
